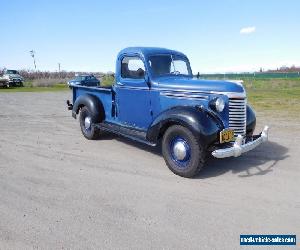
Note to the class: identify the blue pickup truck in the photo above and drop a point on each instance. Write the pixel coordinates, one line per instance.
(155, 99)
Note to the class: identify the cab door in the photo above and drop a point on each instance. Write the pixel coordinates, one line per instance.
(133, 94)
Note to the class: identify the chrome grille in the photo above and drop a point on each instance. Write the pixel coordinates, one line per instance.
(237, 115)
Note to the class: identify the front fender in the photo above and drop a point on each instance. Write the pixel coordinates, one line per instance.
(251, 121)
(202, 124)
(94, 105)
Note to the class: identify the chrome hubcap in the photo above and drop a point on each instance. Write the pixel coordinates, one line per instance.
(180, 150)
(87, 123)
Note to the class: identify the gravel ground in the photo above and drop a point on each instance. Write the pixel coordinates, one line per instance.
(60, 191)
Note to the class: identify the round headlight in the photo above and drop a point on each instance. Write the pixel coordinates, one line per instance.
(220, 104)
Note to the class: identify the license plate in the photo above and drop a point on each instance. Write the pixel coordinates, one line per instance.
(226, 135)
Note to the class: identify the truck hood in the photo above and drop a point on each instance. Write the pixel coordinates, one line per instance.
(194, 84)
(75, 80)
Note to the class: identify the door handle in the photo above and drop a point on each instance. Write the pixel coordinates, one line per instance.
(120, 84)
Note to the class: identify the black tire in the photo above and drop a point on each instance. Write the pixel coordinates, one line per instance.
(89, 132)
(179, 137)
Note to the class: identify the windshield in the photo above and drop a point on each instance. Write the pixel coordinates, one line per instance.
(80, 78)
(162, 65)
(12, 72)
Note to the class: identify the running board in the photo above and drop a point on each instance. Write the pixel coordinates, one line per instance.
(128, 132)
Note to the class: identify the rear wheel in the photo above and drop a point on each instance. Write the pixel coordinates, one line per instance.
(87, 124)
(182, 151)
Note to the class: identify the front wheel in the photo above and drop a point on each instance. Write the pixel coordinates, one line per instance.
(182, 151)
(86, 124)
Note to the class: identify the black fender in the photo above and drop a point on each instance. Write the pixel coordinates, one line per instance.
(251, 121)
(93, 104)
(204, 125)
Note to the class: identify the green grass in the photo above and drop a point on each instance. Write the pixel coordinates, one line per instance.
(276, 95)
(29, 88)
(107, 81)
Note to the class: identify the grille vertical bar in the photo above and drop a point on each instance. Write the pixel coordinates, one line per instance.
(237, 115)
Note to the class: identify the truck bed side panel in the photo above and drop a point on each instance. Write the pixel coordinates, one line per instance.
(104, 95)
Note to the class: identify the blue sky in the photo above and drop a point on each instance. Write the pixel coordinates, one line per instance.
(217, 36)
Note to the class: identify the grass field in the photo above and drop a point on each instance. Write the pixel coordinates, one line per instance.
(29, 88)
(276, 95)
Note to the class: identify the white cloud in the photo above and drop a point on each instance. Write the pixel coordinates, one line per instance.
(248, 30)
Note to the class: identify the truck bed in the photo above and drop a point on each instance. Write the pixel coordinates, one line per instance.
(103, 93)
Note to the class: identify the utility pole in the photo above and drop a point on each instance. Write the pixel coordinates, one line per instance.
(59, 70)
(32, 53)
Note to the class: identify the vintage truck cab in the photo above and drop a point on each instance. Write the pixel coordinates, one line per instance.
(155, 99)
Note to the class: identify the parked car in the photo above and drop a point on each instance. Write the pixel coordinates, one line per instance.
(155, 98)
(10, 78)
(84, 80)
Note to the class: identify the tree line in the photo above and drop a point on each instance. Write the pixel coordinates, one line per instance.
(33, 75)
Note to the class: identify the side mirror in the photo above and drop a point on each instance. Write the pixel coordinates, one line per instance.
(140, 73)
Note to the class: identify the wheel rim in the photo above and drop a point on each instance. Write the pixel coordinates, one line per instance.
(87, 123)
(180, 151)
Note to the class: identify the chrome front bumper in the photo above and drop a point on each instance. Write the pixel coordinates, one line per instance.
(239, 148)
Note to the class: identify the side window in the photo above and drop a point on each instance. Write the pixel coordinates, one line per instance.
(181, 67)
(132, 67)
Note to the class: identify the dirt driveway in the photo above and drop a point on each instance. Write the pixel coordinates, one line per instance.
(59, 190)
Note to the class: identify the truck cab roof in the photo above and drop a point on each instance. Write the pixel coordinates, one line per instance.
(11, 71)
(146, 51)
